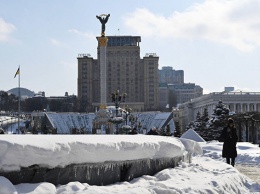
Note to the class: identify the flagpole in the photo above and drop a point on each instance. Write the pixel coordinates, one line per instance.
(19, 103)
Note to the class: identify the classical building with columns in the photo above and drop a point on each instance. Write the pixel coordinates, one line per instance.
(237, 102)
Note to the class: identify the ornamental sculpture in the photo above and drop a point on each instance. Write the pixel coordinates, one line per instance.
(103, 18)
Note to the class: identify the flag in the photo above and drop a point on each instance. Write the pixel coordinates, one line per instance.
(17, 72)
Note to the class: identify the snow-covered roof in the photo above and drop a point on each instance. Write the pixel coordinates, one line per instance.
(155, 119)
(7, 120)
(64, 122)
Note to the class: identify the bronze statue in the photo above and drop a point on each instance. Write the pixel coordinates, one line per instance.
(103, 18)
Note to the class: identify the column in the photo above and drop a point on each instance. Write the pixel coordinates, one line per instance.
(237, 109)
(103, 73)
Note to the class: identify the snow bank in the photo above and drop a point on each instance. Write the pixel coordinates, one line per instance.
(6, 186)
(204, 175)
(191, 134)
(191, 146)
(61, 150)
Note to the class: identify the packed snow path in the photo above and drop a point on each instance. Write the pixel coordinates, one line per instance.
(252, 171)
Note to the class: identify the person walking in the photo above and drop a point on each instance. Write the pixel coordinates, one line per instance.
(230, 138)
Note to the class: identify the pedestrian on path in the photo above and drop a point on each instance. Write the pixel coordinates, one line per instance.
(229, 137)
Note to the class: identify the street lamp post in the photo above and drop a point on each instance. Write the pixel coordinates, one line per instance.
(117, 99)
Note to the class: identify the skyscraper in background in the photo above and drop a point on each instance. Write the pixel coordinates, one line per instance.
(170, 76)
(173, 90)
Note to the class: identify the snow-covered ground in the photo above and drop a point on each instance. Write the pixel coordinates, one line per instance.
(207, 173)
(247, 153)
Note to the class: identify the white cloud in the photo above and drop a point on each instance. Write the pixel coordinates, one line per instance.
(231, 22)
(5, 30)
(90, 36)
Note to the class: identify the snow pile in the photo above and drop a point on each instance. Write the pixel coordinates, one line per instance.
(191, 146)
(206, 174)
(61, 150)
(197, 177)
(191, 134)
(6, 186)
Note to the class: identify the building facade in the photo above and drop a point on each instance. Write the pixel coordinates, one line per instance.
(163, 97)
(184, 92)
(125, 71)
(178, 91)
(171, 76)
(237, 102)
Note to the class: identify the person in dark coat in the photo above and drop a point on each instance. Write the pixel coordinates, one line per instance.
(2, 131)
(133, 131)
(230, 138)
(168, 131)
(153, 131)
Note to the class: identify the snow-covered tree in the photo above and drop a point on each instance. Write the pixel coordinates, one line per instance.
(205, 115)
(209, 128)
(217, 121)
(203, 130)
(200, 124)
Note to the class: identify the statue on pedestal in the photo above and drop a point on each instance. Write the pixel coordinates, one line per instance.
(103, 18)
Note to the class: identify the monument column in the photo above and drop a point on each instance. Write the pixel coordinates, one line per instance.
(102, 42)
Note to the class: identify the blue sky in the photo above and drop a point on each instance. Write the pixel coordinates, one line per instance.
(215, 42)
